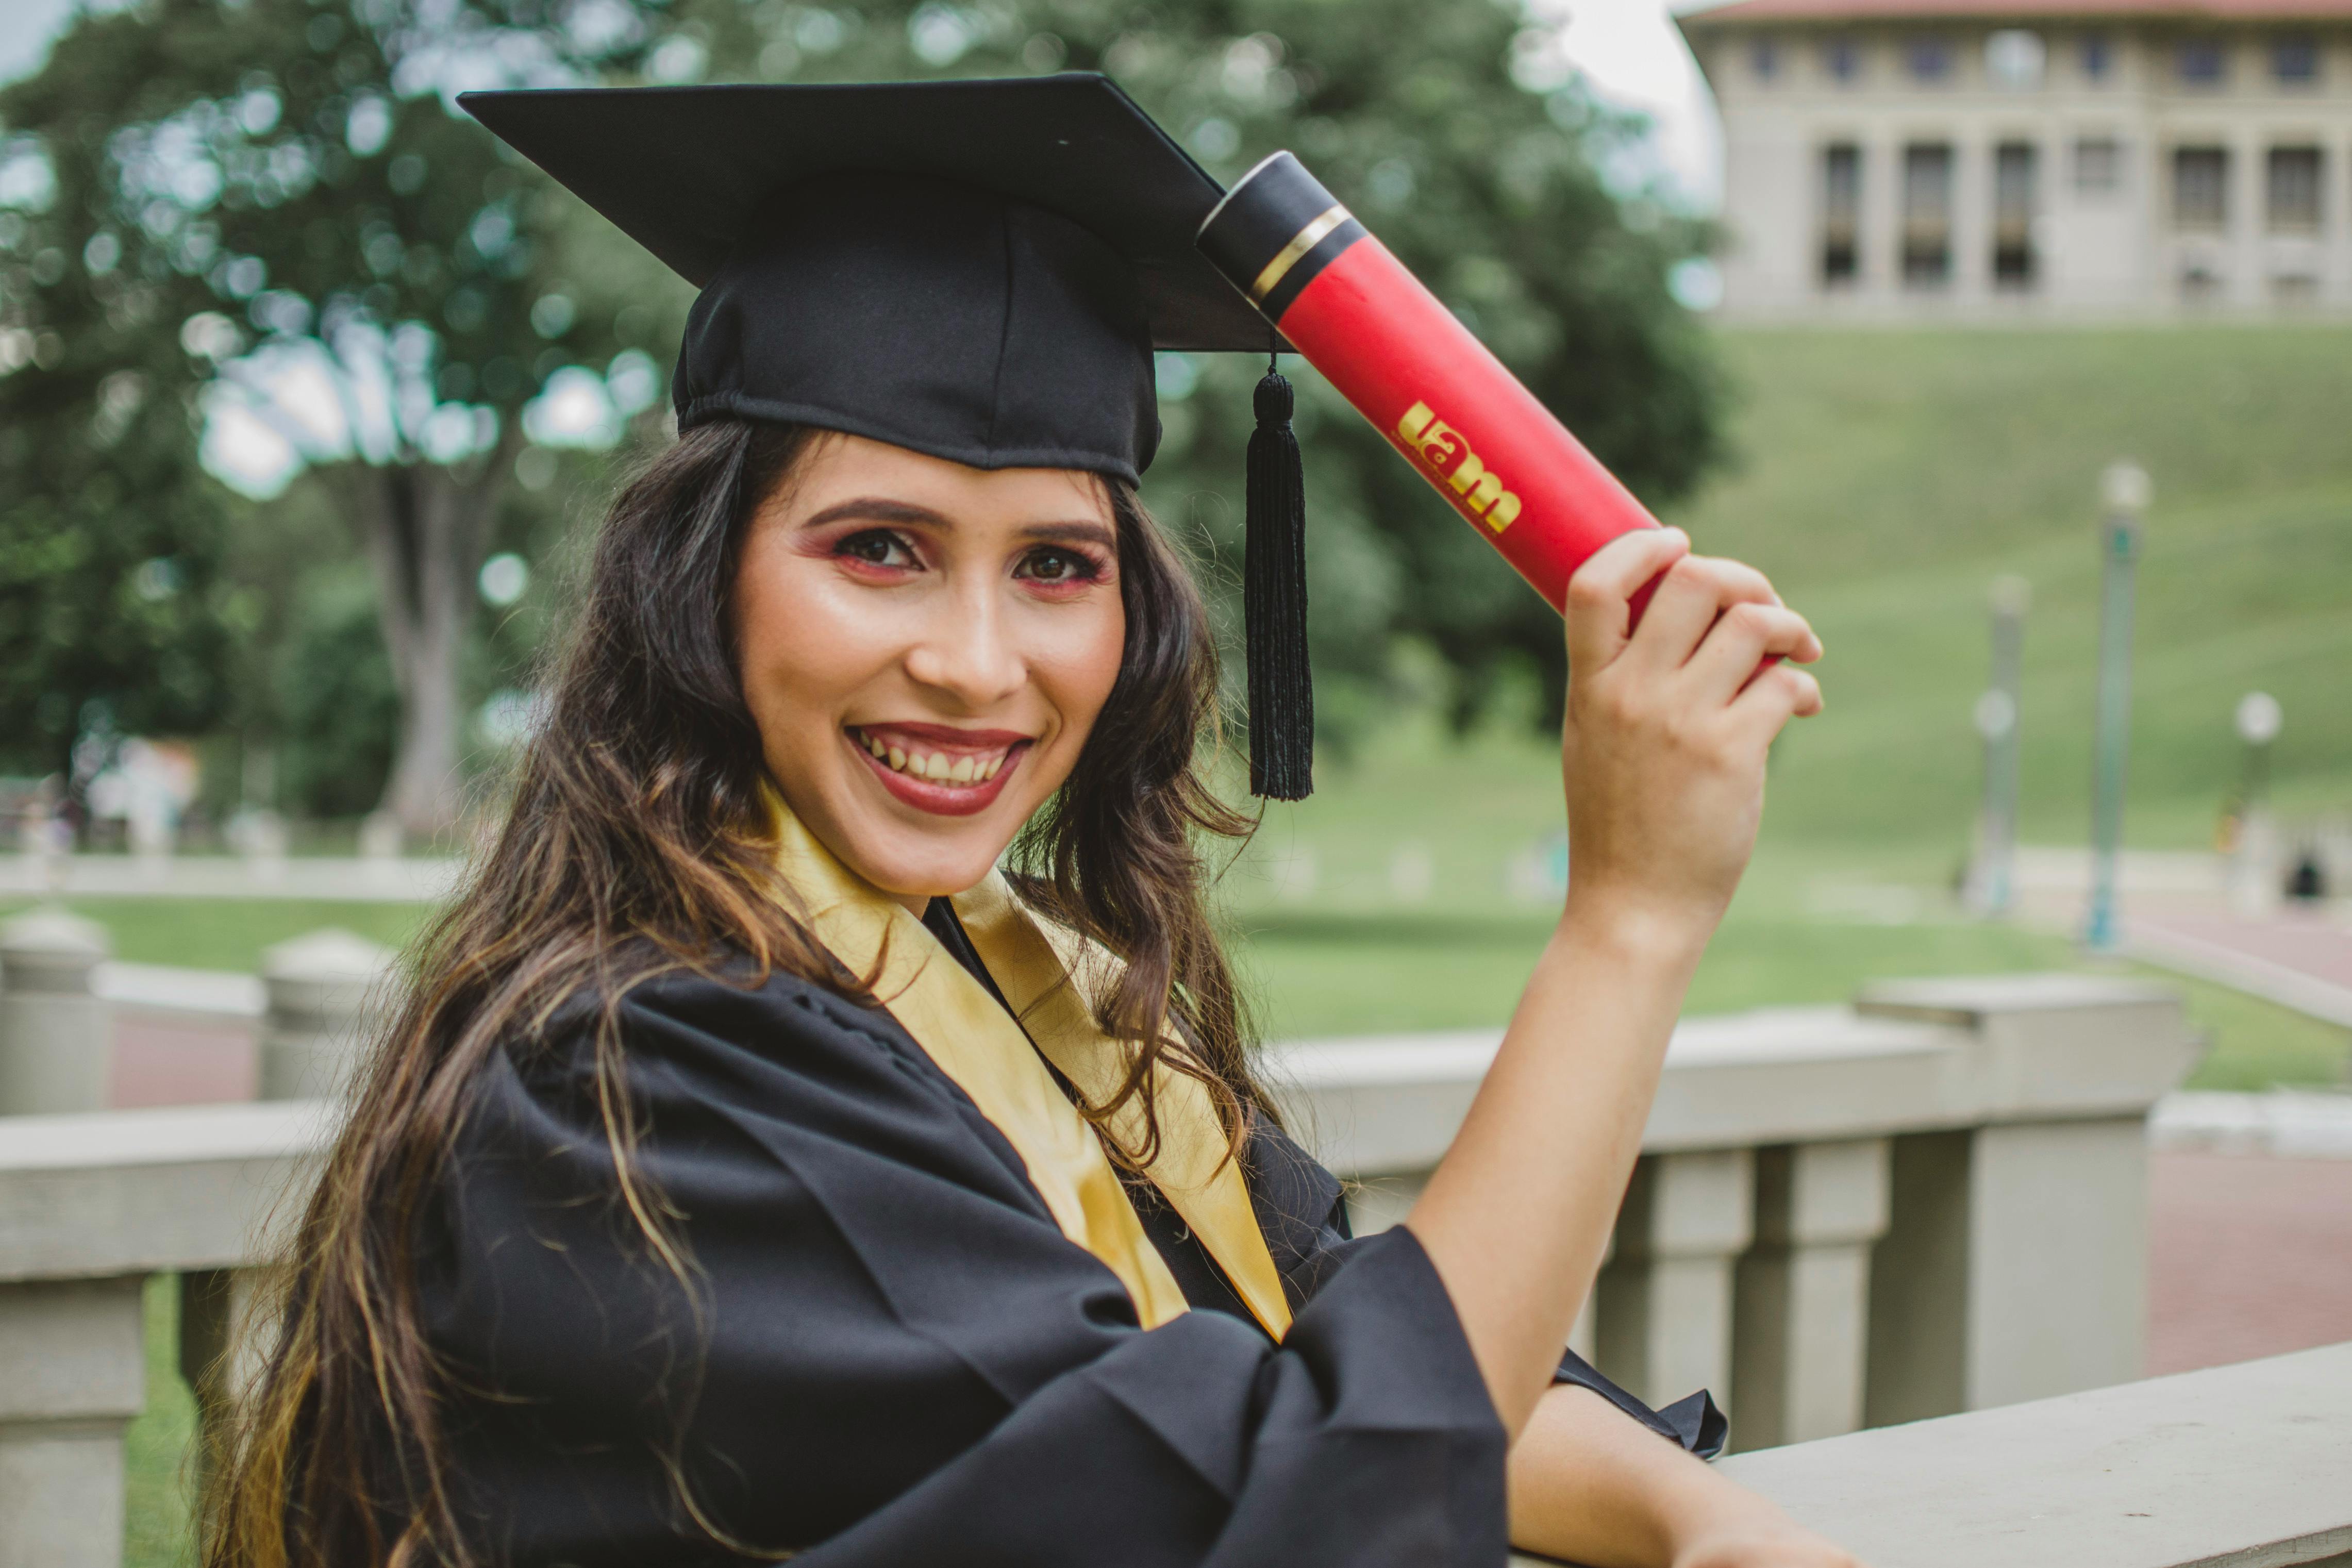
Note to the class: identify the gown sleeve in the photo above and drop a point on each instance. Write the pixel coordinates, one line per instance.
(1302, 1210)
(888, 1353)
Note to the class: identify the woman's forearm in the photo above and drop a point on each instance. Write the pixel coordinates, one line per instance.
(1518, 1216)
(1663, 745)
(1592, 1486)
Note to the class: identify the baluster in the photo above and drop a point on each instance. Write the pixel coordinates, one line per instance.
(1664, 1306)
(1801, 1313)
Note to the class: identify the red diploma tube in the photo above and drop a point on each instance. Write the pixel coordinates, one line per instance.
(1399, 355)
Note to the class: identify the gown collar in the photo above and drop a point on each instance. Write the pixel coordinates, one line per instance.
(1048, 977)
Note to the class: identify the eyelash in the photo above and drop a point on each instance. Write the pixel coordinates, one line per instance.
(1082, 567)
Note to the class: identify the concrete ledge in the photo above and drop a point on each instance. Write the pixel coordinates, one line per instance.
(2243, 1464)
(159, 989)
(1914, 1057)
(131, 1192)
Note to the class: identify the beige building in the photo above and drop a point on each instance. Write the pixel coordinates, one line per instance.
(1919, 160)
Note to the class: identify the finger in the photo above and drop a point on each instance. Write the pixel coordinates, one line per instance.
(1599, 617)
(1697, 590)
(1777, 695)
(1741, 638)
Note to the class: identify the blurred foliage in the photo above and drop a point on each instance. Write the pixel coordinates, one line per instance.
(333, 689)
(113, 615)
(269, 207)
(270, 204)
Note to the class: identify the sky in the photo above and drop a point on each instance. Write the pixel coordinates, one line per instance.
(1627, 48)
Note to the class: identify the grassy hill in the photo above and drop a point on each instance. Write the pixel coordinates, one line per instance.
(1885, 479)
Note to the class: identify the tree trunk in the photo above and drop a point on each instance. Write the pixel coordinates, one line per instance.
(426, 528)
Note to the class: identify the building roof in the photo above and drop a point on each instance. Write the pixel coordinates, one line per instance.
(2016, 10)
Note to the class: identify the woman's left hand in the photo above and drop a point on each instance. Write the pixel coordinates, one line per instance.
(1767, 1543)
(1589, 1484)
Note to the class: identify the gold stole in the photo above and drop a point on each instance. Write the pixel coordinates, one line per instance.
(1040, 966)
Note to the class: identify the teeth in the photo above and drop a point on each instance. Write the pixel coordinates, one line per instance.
(935, 766)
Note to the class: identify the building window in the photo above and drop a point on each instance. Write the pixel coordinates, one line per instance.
(2098, 57)
(1928, 57)
(2014, 58)
(2099, 166)
(1841, 59)
(1841, 214)
(1764, 59)
(2200, 284)
(2295, 60)
(2200, 62)
(2013, 173)
(2293, 190)
(1926, 213)
(2294, 289)
(2200, 195)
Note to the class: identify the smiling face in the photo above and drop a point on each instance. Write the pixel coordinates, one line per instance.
(924, 648)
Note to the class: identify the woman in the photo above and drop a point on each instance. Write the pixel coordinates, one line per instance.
(756, 1171)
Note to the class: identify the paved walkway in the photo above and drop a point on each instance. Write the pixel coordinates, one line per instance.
(403, 880)
(2248, 1257)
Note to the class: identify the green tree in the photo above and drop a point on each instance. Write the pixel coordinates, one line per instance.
(113, 617)
(279, 194)
(309, 232)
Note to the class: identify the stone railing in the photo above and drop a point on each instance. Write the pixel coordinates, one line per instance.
(1843, 1216)
(1931, 1202)
(2244, 1466)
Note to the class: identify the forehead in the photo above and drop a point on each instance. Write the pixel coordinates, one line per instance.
(838, 469)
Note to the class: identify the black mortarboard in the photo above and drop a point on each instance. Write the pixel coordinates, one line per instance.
(979, 270)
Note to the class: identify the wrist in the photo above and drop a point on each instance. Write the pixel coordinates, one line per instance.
(1640, 934)
(1712, 1509)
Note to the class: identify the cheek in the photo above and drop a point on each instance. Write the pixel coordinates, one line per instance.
(1084, 666)
(802, 652)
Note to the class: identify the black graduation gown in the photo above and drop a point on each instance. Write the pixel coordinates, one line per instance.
(891, 1355)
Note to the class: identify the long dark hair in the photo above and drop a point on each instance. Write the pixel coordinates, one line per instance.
(635, 845)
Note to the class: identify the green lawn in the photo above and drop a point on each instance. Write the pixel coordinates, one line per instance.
(157, 1527)
(230, 933)
(1346, 954)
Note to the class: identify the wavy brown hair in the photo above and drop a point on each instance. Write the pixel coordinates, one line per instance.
(635, 845)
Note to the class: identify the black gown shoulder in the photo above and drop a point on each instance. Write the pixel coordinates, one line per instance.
(885, 1352)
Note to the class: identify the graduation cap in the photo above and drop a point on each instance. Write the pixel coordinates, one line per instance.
(979, 270)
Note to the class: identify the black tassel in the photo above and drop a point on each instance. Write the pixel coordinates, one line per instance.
(1274, 605)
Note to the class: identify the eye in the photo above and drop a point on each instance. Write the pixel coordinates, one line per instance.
(879, 547)
(1053, 564)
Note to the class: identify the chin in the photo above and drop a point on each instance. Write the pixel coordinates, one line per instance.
(909, 862)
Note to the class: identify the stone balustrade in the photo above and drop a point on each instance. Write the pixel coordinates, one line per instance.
(2239, 1466)
(1928, 1203)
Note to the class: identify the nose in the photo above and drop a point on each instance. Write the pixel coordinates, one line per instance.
(967, 652)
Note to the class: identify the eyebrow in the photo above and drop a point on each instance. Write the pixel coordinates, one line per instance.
(876, 508)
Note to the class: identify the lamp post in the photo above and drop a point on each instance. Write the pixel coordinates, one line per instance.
(2254, 881)
(1996, 716)
(2124, 490)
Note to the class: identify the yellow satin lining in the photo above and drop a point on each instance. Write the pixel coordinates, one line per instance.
(974, 1041)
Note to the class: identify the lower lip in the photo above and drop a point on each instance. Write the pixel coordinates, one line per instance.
(940, 800)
